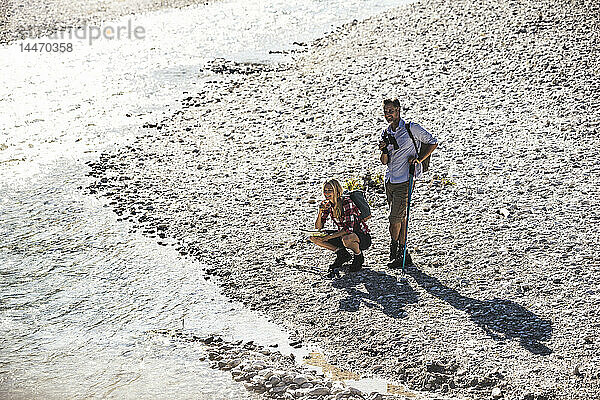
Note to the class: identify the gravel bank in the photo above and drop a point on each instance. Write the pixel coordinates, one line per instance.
(267, 372)
(34, 18)
(503, 299)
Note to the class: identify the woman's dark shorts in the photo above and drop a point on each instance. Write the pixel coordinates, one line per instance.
(365, 241)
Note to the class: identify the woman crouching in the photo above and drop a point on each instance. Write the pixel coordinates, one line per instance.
(352, 232)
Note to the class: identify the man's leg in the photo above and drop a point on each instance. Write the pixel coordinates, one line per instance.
(394, 226)
(397, 196)
(394, 234)
(401, 244)
(405, 258)
(402, 233)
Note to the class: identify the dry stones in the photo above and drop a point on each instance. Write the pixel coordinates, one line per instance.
(508, 87)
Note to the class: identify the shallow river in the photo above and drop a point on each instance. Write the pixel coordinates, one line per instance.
(79, 293)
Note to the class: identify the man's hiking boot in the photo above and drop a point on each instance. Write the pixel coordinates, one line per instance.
(393, 250)
(357, 263)
(408, 262)
(397, 262)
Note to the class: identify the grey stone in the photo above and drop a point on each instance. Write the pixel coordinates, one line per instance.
(496, 393)
(318, 391)
(300, 380)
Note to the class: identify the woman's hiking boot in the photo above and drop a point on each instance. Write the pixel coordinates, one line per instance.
(342, 257)
(357, 263)
(333, 272)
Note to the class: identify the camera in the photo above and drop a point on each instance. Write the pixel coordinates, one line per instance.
(390, 139)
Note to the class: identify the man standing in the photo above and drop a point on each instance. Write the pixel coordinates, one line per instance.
(398, 151)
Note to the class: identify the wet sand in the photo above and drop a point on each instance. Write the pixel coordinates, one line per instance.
(502, 301)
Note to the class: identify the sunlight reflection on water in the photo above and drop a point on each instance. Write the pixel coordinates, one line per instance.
(64, 104)
(78, 290)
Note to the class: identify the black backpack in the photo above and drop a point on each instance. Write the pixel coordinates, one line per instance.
(424, 148)
(359, 199)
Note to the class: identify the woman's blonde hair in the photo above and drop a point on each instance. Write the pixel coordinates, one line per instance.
(337, 196)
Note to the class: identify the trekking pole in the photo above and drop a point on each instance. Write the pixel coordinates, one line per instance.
(411, 174)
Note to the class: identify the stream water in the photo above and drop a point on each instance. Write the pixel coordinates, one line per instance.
(79, 293)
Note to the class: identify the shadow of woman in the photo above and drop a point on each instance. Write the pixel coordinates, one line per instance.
(380, 291)
(500, 319)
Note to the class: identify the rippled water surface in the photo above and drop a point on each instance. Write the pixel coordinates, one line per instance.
(79, 293)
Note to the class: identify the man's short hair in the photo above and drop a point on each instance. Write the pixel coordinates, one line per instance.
(395, 102)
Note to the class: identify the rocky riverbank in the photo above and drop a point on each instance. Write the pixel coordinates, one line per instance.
(269, 373)
(35, 18)
(502, 301)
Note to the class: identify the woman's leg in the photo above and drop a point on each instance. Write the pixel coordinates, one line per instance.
(342, 255)
(352, 242)
(319, 241)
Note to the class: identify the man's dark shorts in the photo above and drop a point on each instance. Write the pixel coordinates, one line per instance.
(397, 199)
(365, 240)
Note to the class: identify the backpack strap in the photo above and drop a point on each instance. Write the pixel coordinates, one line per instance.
(407, 126)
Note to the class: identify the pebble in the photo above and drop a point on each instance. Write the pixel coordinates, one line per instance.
(300, 380)
(496, 393)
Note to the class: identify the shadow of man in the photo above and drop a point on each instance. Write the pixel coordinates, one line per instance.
(380, 291)
(500, 319)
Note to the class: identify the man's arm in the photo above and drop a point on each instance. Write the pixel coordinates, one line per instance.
(384, 158)
(430, 149)
(426, 140)
(421, 134)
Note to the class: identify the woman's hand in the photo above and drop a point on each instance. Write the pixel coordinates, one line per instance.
(382, 145)
(324, 205)
(415, 161)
